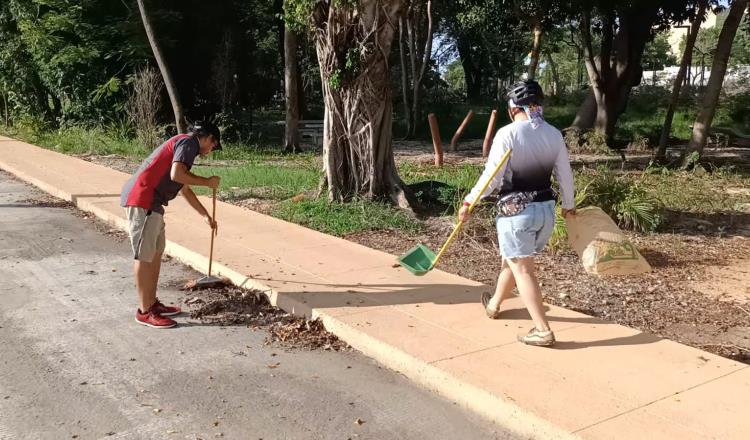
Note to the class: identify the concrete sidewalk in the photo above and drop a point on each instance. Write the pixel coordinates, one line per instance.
(601, 381)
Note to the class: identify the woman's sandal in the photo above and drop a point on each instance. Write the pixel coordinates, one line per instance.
(492, 314)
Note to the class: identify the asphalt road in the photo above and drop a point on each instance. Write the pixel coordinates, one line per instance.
(74, 364)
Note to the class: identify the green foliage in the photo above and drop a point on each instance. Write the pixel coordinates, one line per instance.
(627, 202)
(566, 50)
(335, 80)
(75, 50)
(639, 210)
(345, 218)
(454, 76)
(297, 14)
(559, 238)
(692, 159)
(708, 40)
(106, 90)
(657, 54)
(738, 109)
(486, 34)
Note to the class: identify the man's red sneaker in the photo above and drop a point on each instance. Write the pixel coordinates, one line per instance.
(163, 310)
(153, 319)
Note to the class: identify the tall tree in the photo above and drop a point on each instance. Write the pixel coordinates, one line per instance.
(353, 41)
(705, 117)
(539, 16)
(417, 18)
(679, 80)
(536, 50)
(488, 38)
(624, 29)
(291, 89)
(174, 96)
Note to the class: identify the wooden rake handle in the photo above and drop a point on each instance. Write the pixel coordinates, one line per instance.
(460, 224)
(213, 232)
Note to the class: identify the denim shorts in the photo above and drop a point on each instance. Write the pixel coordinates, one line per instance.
(527, 233)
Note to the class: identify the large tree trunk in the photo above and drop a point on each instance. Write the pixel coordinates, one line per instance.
(554, 75)
(703, 121)
(357, 135)
(404, 78)
(416, 112)
(535, 50)
(472, 69)
(291, 91)
(174, 96)
(412, 76)
(618, 68)
(5, 107)
(679, 80)
(586, 114)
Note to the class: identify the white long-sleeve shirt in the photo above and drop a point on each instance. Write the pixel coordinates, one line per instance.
(537, 153)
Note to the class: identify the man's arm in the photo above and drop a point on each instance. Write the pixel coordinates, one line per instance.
(180, 174)
(192, 199)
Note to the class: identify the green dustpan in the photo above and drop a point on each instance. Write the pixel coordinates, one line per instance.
(418, 260)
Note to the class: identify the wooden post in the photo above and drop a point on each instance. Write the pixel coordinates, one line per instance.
(488, 136)
(436, 143)
(461, 129)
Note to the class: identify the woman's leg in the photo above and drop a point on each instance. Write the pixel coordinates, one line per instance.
(504, 288)
(528, 287)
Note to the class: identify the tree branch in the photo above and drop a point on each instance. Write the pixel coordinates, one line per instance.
(594, 75)
(605, 58)
(427, 44)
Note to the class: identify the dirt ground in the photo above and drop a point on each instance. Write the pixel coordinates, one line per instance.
(698, 293)
(680, 300)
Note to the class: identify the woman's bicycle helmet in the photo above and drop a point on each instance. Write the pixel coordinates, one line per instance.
(525, 93)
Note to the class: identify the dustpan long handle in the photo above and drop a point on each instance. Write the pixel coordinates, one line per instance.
(213, 232)
(460, 224)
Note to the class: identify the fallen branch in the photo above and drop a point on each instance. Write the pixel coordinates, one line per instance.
(742, 308)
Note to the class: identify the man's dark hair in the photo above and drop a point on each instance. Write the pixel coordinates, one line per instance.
(206, 128)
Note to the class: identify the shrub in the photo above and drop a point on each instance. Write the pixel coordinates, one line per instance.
(143, 105)
(590, 142)
(559, 239)
(626, 202)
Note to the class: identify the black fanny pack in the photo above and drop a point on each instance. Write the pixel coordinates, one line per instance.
(514, 203)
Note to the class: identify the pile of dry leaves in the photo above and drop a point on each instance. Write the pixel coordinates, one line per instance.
(234, 306)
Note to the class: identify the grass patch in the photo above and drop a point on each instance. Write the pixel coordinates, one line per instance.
(345, 218)
(260, 180)
(233, 151)
(462, 176)
(459, 178)
(78, 140)
(698, 193)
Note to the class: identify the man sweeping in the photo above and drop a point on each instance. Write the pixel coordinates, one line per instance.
(526, 210)
(161, 176)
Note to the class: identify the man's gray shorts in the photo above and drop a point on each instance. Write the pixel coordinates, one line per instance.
(146, 231)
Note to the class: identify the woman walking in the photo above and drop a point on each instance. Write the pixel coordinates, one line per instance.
(526, 210)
